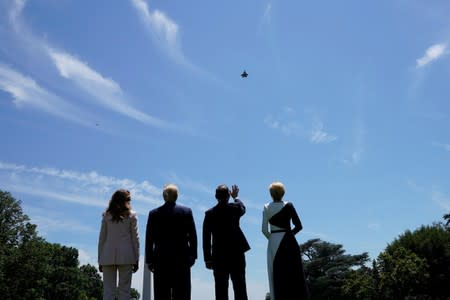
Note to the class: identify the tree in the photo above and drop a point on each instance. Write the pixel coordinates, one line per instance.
(447, 218)
(92, 282)
(32, 268)
(327, 266)
(359, 284)
(403, 274)
(429, 244)
(15, 231)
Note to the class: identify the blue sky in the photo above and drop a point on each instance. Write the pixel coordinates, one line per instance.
(346, 103)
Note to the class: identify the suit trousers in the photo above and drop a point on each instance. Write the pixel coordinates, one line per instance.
(110, 281)
(233, 268)
(172, 283)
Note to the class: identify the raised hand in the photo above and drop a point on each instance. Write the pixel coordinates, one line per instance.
(234, 191)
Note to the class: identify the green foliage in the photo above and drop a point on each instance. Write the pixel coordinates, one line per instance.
(403, 274)
(359, 284)
(31, 268)
(14, 226)
(431, 244)
(327, 267)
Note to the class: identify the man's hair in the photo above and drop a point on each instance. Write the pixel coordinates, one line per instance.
(170, 192)
(222, 192)
(276, 190)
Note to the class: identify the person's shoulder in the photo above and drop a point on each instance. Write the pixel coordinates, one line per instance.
(211, 210)
(106, 216)
(182, 208)
(289, 204)
(154, 211)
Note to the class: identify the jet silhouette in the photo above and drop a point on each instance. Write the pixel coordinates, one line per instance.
(244, 74)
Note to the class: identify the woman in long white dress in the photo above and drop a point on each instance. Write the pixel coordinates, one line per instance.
(284, 261)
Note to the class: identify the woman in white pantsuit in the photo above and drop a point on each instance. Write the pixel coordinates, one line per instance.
(118, 246)
(284, 261)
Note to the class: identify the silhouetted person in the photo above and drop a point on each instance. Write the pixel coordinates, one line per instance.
(171, 247)
(224, 243)
(284, 259)
(118, 246)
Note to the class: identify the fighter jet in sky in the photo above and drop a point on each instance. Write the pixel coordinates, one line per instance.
(244, 74)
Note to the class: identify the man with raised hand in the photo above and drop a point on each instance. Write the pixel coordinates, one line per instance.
(224, 243)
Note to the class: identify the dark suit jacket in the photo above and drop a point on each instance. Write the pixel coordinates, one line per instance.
(223, 238)
(171, 239)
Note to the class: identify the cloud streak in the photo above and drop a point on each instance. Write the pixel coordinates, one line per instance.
(441, 200)
(105, 91)
(358, 140)
(433, 53)
(288, 124)
(443, 146)
(88, 188)
(268, 12)
(319, 136)
(26, 92)
(163, 30)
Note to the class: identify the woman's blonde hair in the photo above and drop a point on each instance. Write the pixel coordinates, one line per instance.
(276, 190)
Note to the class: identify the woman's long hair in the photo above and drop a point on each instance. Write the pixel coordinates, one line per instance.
(119, 206)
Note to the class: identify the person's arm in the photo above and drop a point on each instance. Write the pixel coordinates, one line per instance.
(135, 240)
(295, 220)
(265, 223)
(192, 239)
(101, 242)
(207, 234)
(239, 204)
(149, 243)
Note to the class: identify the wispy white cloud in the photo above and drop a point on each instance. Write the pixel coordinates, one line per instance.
(319, 136)
(268, 12)
(289, 124)
(358, 143)
(26, 92)
(15, 12)
(47, 224)
(104, 91)
(89, 188)
(374, 226)
(191, 184)
(165, 33)
(414, 186)
(85, 257)
(286, 127)
(433, 53)
(164, 30)
(443, 146)
(441, 199)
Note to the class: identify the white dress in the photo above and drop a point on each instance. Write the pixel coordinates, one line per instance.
(284, 263)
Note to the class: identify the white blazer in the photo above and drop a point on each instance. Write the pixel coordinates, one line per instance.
(118, 243)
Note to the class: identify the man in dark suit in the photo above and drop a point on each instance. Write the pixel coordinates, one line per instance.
(171, 247)
(224, 243)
